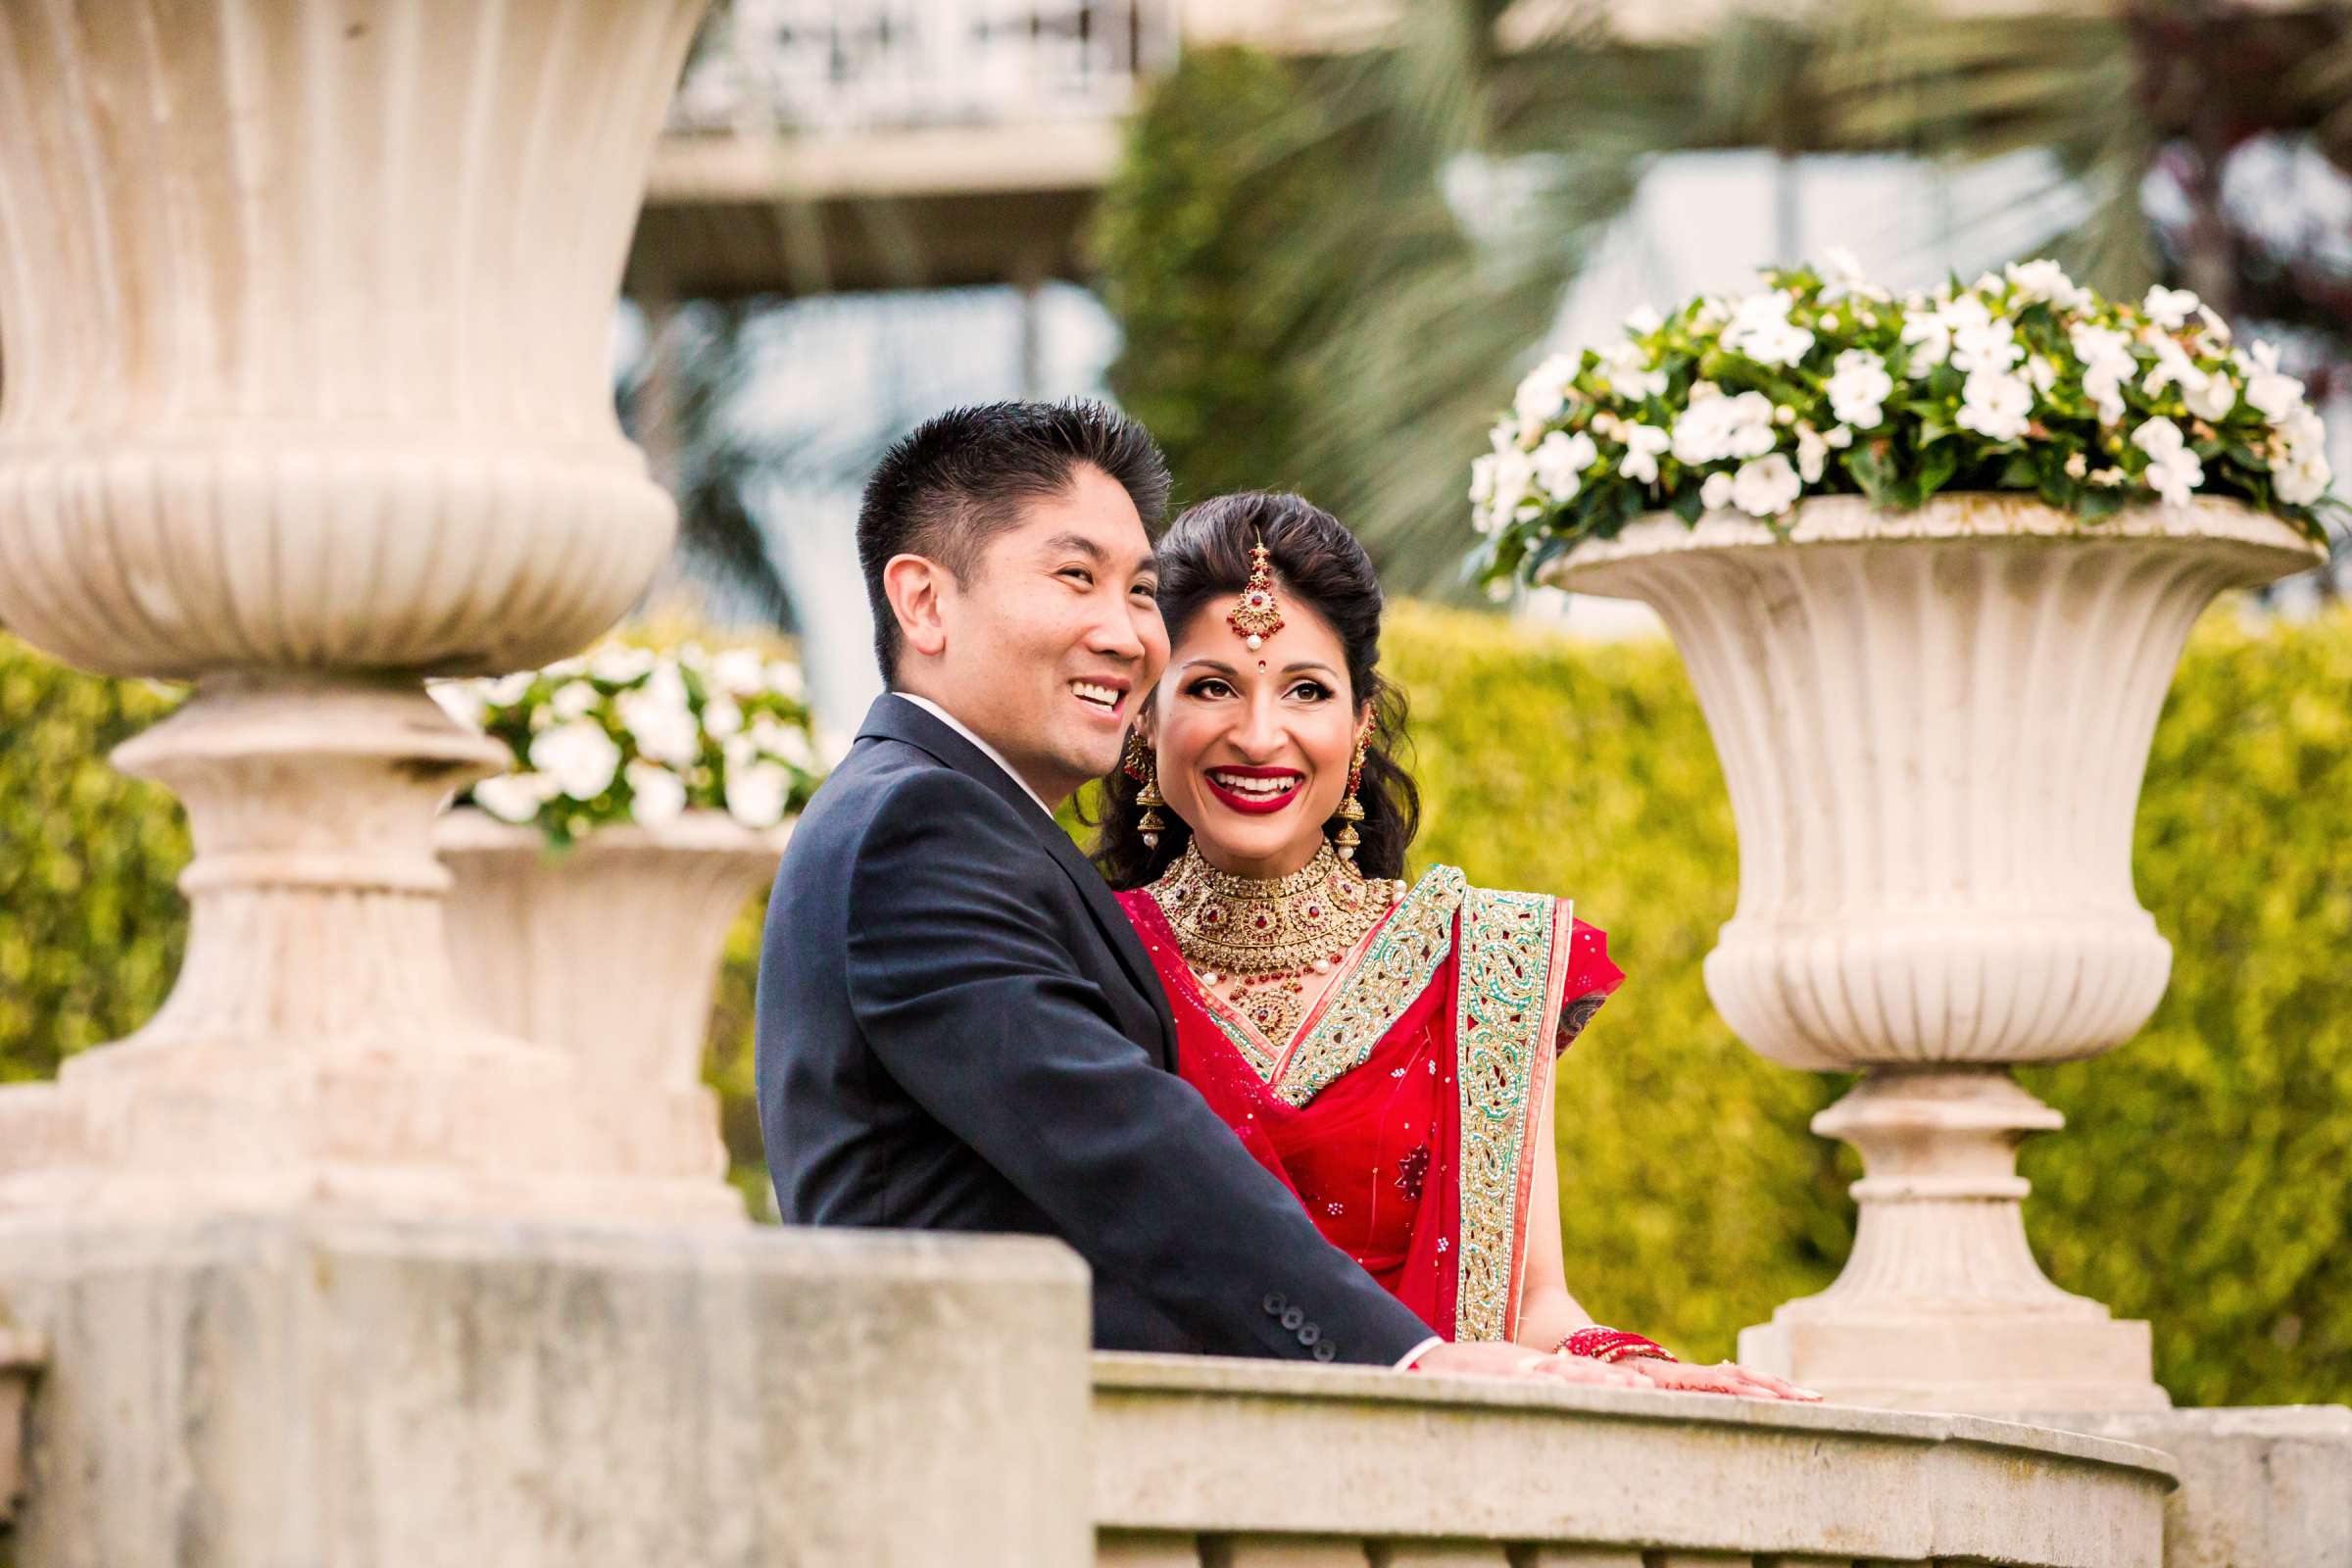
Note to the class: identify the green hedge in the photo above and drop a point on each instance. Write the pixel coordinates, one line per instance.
(2203, 1181)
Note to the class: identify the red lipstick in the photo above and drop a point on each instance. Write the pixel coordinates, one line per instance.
(1252, 805)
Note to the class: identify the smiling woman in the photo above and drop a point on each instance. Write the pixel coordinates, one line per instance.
(1384, 1050)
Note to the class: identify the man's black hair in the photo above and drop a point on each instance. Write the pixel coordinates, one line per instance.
(957, 480)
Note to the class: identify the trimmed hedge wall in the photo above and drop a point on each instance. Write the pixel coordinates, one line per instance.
(2204, 1180)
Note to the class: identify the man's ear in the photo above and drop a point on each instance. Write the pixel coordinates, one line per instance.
(913, 585)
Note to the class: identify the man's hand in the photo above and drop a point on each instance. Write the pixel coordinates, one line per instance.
(1493, 1358)
(1724, 1377)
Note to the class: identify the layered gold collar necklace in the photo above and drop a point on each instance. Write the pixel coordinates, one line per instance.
(1267, 935)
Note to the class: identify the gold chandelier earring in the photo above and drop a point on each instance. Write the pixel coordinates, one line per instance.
(1141, 767)
(1351, 810)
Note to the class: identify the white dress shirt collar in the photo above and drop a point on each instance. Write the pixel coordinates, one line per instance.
(986, 750)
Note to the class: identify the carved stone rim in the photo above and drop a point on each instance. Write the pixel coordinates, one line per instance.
(471, 831)
(1963, 515)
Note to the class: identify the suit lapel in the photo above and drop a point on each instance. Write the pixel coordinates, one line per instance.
(893, 717)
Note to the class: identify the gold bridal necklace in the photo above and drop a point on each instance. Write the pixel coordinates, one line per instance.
(1267, 935)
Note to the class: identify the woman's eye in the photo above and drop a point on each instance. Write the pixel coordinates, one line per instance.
(1211, 688)
(1313, 691)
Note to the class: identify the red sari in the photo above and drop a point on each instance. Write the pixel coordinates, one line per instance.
(1405, 1110)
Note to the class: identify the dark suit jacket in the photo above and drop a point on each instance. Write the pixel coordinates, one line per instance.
(959, 1031)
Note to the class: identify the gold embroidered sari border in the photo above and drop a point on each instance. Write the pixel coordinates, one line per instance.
(1406, 953)
(1511, 958)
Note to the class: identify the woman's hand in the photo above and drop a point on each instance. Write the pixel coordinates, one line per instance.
(1724, 1377)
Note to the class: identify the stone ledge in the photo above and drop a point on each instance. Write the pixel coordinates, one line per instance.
(2261, 1485)
(367, 1391)
(1212, 1447)
(21, 1359)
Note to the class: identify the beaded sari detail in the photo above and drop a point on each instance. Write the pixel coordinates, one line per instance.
(1404, 1111)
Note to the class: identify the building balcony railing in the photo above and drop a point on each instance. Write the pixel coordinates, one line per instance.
(846, 66)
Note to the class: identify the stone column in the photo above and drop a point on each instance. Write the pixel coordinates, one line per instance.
(305, 307)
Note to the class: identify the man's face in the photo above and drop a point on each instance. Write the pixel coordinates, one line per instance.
(1056, 638)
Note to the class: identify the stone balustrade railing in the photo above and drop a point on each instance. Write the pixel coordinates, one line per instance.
(21, 1356)
(1231, 1464)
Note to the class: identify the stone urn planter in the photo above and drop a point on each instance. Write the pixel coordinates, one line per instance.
(609, 952)
(306, 312)
(1933, 727)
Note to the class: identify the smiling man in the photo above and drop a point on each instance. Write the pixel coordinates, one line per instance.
(958, 1029)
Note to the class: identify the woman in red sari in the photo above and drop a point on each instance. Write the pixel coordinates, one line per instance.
(1384, 1048)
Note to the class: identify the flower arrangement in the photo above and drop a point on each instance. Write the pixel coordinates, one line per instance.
(1824, 383)
(630, 734)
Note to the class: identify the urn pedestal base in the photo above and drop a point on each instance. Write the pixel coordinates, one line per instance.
(1942, 1307)
(316, 1051)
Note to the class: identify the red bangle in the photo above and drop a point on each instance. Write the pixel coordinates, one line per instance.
(1612, 1344)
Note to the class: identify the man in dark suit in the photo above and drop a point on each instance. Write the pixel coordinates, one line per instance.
(958, 1029)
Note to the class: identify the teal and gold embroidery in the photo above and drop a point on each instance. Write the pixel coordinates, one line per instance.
(1499, 1022)
(1365, 1002)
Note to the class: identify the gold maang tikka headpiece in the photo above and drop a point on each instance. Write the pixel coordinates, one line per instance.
(1256, 617)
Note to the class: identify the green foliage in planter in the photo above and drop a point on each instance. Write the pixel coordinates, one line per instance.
(2205, 1177)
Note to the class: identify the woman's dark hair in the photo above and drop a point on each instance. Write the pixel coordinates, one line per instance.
(1203, 558)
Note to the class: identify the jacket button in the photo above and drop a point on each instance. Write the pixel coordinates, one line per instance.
(1274, 1304)
(1324, 1352)
(1292, 1318)
(1309, 1334)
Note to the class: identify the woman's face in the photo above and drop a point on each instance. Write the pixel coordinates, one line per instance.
(1253, 746)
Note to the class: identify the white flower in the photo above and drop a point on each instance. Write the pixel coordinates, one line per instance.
(2044, 280)
(1842, 276)
(1761, 330)
(1643, 444)
(2106, 478)
(572, 700)
(2274, 394)
(1839, 437)
(1766, 487)
(2043, 373)
(656, 795)
(1859, 387)
(508, 689)
(1499, 483)
(1625, 370)
(657, 719)
(2304, 481)
(721, 716)
(620, 663)
(784, 679)
(1715, 492)
(1992, 345)
(579, 756)
(1544, 392)
(2173, 468)
(460, 700)
(1560, 463)
(2107, 361)
(1930, 339)
(2077, 465)
(756, 793)
(787, 742)
(1812, 453)
(2169, 307)
(514, 796)
(1739, 426)
(1996, 405)
(740, 671)
(1642, 320)
(2173, 366)
(2215, 397)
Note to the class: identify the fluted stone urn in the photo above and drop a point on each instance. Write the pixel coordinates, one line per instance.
(1933, 727)
(609, 952)
(305, 312)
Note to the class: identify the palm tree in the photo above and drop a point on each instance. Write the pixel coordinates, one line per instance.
(1486, 146)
